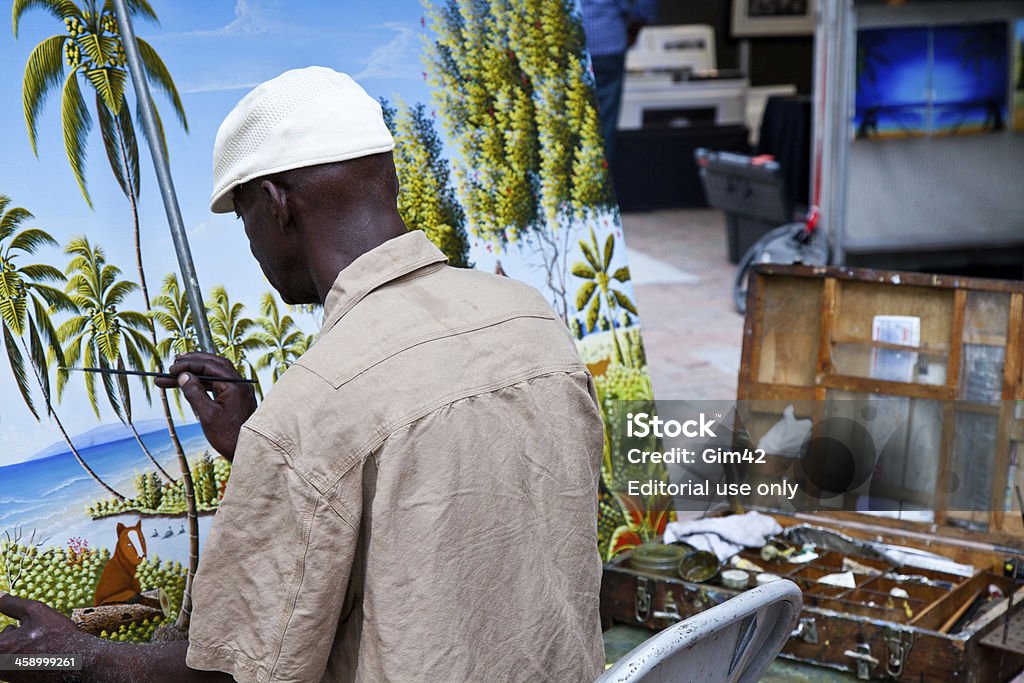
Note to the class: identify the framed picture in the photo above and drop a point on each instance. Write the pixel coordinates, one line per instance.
(752, 18)
(932, 81)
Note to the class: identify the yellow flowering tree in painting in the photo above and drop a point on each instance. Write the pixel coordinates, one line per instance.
(426, 198)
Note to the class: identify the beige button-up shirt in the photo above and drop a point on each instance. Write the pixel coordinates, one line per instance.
(415, 500)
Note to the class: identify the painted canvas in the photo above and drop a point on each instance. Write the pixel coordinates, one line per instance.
(892, 83)
(500, 162)
(970, 71)
(944, 80)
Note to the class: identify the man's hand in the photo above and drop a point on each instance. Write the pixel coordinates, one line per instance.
(42, 631)
(45, 631)
(232, 404)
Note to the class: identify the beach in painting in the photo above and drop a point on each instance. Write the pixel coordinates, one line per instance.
(49, 493)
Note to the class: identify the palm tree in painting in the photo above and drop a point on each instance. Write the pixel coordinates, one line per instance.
(103, 334)
(281, 336)
(981, 44)
(234, 333)
(91, 49)
(599, 286)
(871, 57)
(171, 312)
(304, 343)
(28, 298)
(871, 61)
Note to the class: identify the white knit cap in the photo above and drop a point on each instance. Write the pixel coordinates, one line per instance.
(304, 117)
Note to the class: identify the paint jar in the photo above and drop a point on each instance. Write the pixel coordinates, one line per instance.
(658, 558)
(737, 579)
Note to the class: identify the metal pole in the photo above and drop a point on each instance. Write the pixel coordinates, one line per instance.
(163, 179)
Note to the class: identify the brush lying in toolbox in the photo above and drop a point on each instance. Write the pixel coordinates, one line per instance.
(161, 375)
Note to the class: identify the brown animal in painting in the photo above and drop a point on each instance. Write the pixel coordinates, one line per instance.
(598, 369)
(118, 582)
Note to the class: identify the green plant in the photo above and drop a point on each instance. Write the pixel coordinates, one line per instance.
(512, 88)
(626, 521)
(154, 497)
(599, 287)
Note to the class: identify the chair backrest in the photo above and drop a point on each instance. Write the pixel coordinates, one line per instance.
(733, 642)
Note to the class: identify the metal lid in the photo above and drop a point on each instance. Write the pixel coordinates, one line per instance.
(658, 557)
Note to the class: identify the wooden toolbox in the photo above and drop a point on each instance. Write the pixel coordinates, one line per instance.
(811, 340)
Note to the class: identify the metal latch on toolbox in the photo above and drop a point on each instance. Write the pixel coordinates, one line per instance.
(865, 662)
(642, 600)
(899, 643)
(671, 610)
(806, 630)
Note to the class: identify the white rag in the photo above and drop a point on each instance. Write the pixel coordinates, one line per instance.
(724, 536)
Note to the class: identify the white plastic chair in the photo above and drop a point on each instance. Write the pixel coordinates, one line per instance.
(732, 642)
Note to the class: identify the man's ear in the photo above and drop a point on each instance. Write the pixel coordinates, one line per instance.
(278, 200)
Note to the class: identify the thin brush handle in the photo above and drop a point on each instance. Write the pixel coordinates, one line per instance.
(163, 375)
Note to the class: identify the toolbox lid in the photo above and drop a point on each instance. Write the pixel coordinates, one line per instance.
(951, 382)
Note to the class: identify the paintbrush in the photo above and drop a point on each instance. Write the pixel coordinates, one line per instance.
(164, 375)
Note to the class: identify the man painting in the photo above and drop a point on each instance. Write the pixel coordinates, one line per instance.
(416, 497)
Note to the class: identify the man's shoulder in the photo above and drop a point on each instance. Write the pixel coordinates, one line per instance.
(459, 285)
(420, 309)
(407, 349)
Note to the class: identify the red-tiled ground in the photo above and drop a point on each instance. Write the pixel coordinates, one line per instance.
(691, 332)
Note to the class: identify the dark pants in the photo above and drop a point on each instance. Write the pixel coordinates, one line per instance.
(608, 73)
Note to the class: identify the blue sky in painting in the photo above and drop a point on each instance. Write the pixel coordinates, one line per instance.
(216, 50)
(962, 73)
(895, 69)
(894, 72)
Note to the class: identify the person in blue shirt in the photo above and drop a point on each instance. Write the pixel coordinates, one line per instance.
(611, 27)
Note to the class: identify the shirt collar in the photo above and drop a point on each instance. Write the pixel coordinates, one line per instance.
(386, 263)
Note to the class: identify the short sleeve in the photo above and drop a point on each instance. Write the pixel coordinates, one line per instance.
(274, 572)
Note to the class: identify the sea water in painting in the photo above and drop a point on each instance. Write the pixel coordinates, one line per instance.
(501, 164)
